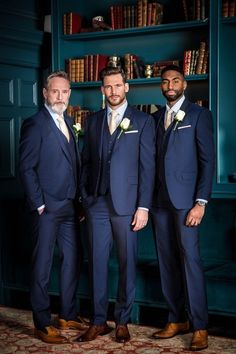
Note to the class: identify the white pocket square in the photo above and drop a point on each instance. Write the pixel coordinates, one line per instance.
(131, 131)
(184, 126)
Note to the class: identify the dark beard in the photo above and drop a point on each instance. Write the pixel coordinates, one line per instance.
(177, 95)
(112, 104)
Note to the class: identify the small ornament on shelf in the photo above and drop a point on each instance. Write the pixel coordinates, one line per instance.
(114, 61)
(148, 71)
(98, 23)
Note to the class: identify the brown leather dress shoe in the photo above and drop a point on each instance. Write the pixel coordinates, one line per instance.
(122, 334)
(171, 330)
(78, 324)
(93, 331)
(50, 335)
(199, 340)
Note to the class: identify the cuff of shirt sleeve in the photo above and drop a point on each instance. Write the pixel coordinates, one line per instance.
(202, 200)
(142, 208)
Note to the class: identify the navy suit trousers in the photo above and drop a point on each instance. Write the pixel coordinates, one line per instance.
(55, 226)
(181, 271)
(104, 227)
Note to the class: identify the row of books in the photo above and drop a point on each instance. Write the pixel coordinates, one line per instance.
(228, 8)
(71, 23)
(195, 9)
(86, 68)
(142, 14)
(195, 61)
(135, 68)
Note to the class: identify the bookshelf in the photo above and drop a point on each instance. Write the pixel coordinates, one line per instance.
(166, 41)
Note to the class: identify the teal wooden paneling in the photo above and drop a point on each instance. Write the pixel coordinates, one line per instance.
(7, 148)
(19, 100)
(226, 124)
(21, 41)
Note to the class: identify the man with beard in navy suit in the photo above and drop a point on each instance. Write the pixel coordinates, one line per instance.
(118, 167)
(184, 173)
(49, 170)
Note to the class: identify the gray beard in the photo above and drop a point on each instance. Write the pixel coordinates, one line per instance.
(58, 108)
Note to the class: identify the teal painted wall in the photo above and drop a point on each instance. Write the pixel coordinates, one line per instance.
(22, 63)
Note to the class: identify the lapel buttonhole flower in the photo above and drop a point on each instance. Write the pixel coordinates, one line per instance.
(124, 126)
(178, 117)
(77, 129)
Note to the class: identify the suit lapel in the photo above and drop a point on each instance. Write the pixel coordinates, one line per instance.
(58, 136)
(185, 105)
(101, 121)
(72, 135)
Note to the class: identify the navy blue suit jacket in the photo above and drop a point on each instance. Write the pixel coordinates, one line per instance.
(185, 156)
(46, 168)
(132, 166)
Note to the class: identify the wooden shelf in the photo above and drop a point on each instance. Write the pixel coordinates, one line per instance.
(135, 31)
(229, 20)
(141, 81)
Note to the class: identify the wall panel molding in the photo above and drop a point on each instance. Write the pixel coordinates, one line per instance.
(27, 93)
(7, 92)
(7, 147)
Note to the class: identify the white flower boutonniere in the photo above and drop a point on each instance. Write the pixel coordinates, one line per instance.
(124, 126)
(77, 130)
(178, 117)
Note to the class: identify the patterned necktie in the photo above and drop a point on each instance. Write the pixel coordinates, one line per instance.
(168, 119)
(112, 121)
(63, 127)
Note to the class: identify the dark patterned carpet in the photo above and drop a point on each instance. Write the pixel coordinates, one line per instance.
(16, 336)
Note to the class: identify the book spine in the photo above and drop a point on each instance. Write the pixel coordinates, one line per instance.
(203, 9)
(154, 14)
(225, 8)
(144, 13)
(232, 6)
(64, 24)
(112, 17)
(159, 13)
(125, 16)
(132, 15)
(128, 16)
(77, 70)
(185, 9)
(198, 10)
(201, 54)
(81, 70)
(140, 13)
(73, 68)
(205, 62)
(187, 61)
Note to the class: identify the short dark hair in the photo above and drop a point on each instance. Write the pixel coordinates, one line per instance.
(110, 70)
(57, 73)
(172, 67)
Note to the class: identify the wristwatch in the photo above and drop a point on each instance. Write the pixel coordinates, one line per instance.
(201, 203)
